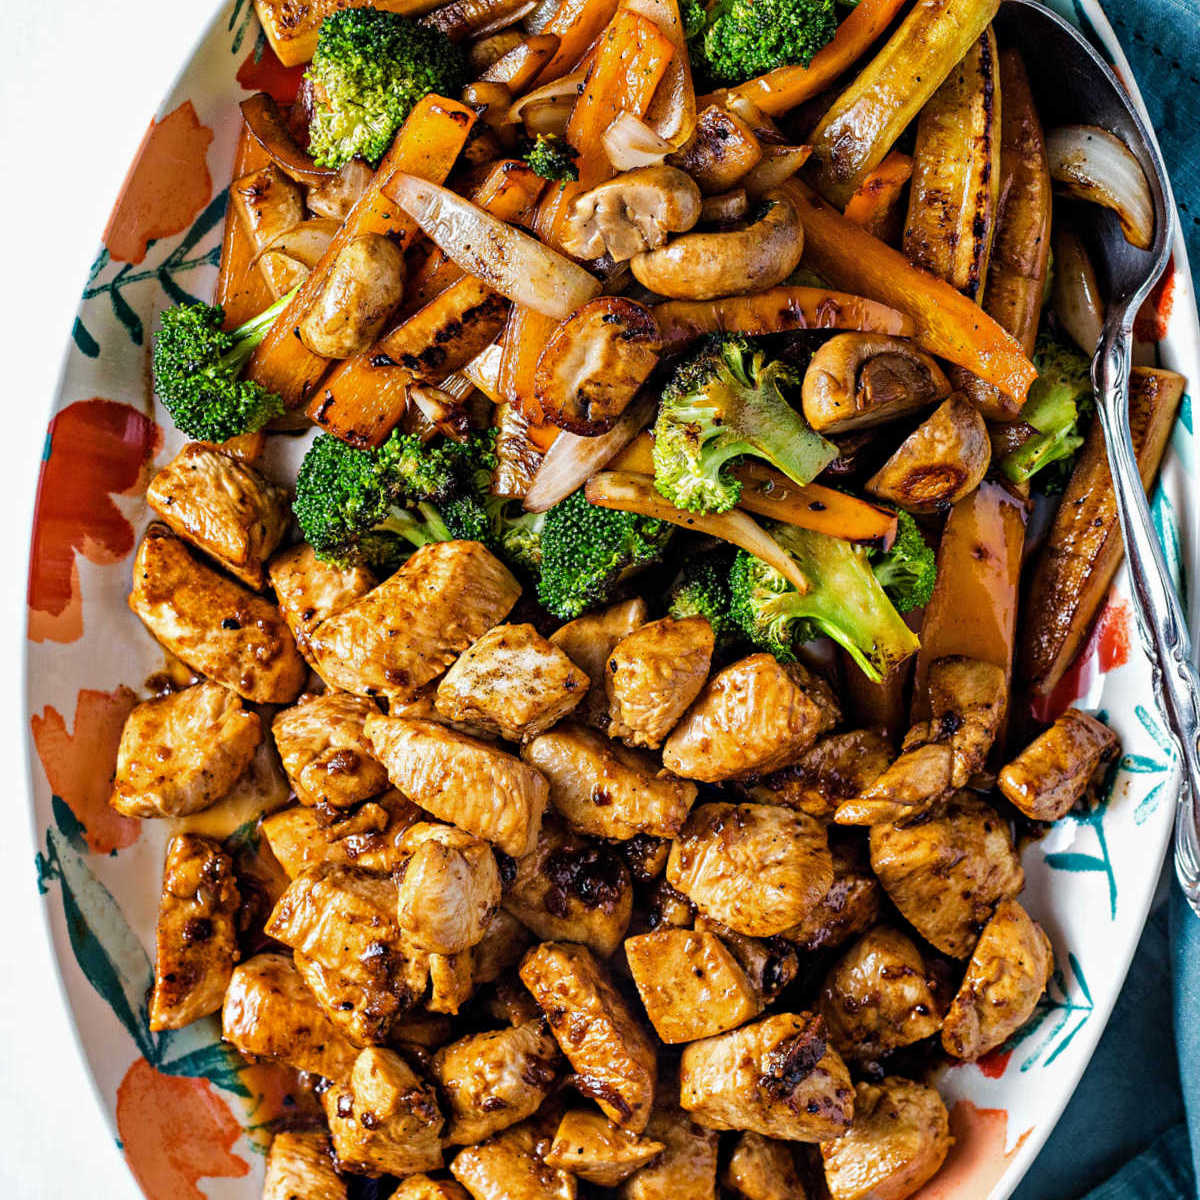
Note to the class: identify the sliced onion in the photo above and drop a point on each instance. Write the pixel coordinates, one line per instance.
(305, 242)
(268, 128)
(566, 87)
(336, 197)
(541, 15)
(1077, 302)
(549, 116)
(572, 460)
(778, 164)
(483, 371)
(463, 19)
(630, 143)
(1095, 165)
(508, 261)
(441, 410)
(281, 271)
(672, 112)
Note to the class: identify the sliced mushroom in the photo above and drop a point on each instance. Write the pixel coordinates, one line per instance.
(860, 379)
(943, 460)
(631, 214)
(702, 266)
(723, 150)
(725, 208)
(594, 363)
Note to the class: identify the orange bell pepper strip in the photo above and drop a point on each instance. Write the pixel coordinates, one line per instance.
(241, 288)
(577, 24)
(875, 205)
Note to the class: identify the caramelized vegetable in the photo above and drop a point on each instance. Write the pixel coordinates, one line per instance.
(270, 130)
(876, 204)
(576, 24)
(292, 28)
(241, 287)
(722, 152)
(521, 65)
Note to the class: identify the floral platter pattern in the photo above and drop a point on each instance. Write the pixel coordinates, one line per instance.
(191, 1118)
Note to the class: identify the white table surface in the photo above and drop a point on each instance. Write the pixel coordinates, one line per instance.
(79, 80)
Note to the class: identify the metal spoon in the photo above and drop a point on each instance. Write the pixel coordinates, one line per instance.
(1077, 86)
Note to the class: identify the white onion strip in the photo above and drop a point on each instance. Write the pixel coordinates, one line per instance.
(630, 143)
(1077, 302)
(565, 87)
(305, 242)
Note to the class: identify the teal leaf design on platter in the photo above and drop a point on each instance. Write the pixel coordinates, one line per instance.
(1093, 819)
(84, 340)
(1070, 861)
(216, 1062)
(1162, 513)
(1142, 764)
(1059, 1016)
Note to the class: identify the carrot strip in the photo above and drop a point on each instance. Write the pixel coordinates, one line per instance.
(241, 288)
(875, 205)
(521, 345)
(577, 24)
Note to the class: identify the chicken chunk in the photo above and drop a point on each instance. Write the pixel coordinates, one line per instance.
(608, 790)
(588, 641)
(513, 682)
(645, 856)
(1005, 979)
(1050, 776)
(778, 1077)
(310, 590)
(573, 890)
(770, 964)
(757, 868)
(476, 786)
(421, 1187)
(687, 1168)
(364, 1014)
(752, 718)
(947, 873)
(270, 1013)
(898, 1141)
(503, 945)
(493, 1080)
(612, 1055)
(763, 1169)
(879, 996)
(384, 1119)
(652, 677)
(224, 506)
(216, 626)
(451, 982)
(691, 985)
(325, 752)
(512, 1166)
(300, 1167)
(181, 753)
(850, 906)
(838, 767)
(410, 628)
(593, 1148)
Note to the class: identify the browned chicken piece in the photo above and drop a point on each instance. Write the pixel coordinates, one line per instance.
(509, 1001)
(608, 790)
(613, 1057)
(968, 699)
(687, 1169)
(475, 785)
(947, 873)
(384, 1119)
(850, 906)
(645, 856)
(181, 753)
(770, 964)
(778, 1077)
(451, 982)
(898, 1141)
(690, 984)
(666, 906)
(216, 626)
(365, 1014)
(757, 868)
(423, 707)
(879, 996)
(512, 1166)
(593, 1148)
(1050, 776)
(421, 1187)
(421, 1030)
(837, 767)
(503, 945)
(300, 1167)
(196, 938)
(752, 718)
(269, 1012)
(1005, 979)
(493, 1080)
(410, 628)
(652, 677)
(588, 641)
(450, 889)
(310, 590)
(324, 751)
(761, 1168)
(513, 682)
(572, 889)
(224, 506)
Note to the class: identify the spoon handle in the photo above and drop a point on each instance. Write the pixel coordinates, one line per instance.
(1161, 620)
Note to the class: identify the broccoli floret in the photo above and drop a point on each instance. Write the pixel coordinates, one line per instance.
(369, 69)
(586, 551)
(908, 570)
(721, 404)
(198, 371)
(1059, 397)
(552, 157)
(702, 590)
(692, 14)
(743, 38)
(844, 601)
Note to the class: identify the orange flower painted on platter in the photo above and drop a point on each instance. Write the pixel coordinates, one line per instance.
(79, 764)
(175, 1131)
(979, 1156)
(95, 449)
(167, 186)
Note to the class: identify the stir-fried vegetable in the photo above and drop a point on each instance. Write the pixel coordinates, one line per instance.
(909, 569)
(702, 590)
(734, 40)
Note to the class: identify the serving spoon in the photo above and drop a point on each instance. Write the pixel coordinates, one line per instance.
(1078, 87)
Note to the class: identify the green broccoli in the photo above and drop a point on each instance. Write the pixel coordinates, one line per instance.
(552, 157)
(198, 371)
(908, 570)
(586, 551)
(702, 590)
(722, 403)
(369, 69)
(739, 39)
(844, 601)
(1059, 397)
